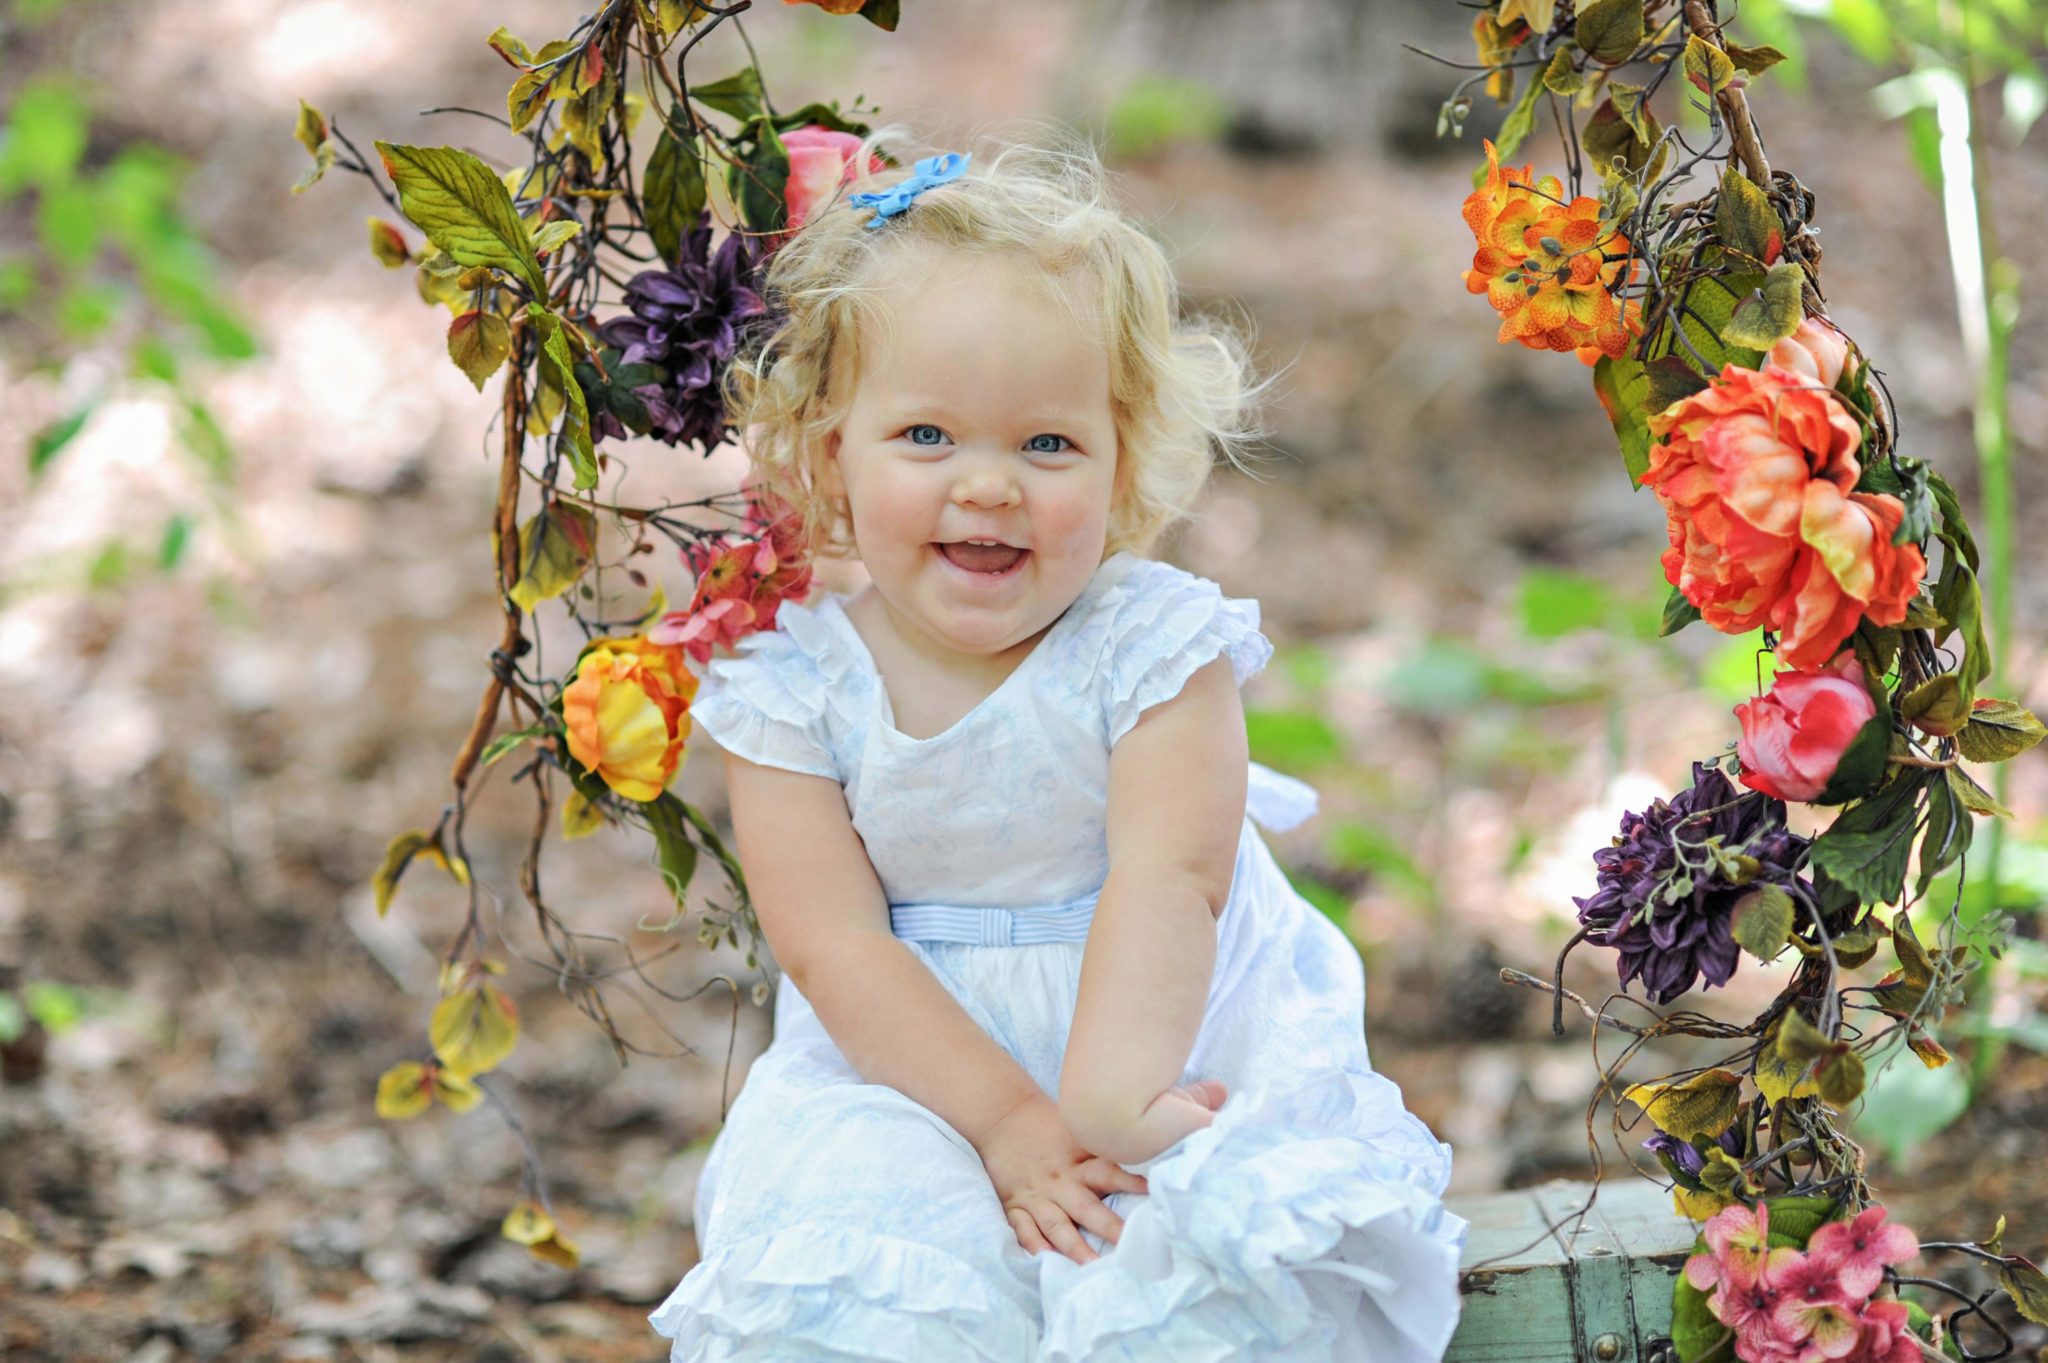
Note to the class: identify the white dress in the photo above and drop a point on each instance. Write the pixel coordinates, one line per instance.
(840, 1220)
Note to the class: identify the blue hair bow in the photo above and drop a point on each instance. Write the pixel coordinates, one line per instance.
(931, 171)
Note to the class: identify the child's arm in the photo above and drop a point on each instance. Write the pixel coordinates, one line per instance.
(1176, 810)
(827, 920)
(824, 914)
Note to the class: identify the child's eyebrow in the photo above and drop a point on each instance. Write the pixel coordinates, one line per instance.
(919, 406)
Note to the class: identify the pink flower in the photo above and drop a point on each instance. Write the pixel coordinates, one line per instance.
(1793, 738)
(1816, 352)
(1813, 1310)
(1861, 1249)
(741, 584)
(1885, 1336)
(820, 160)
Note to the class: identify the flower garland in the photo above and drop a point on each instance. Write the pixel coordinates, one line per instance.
(522, 258)
(1768, 440)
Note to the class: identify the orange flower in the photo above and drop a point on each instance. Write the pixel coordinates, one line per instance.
(1549, 267)
(627, 713)
(741, 584)
(1757, 477)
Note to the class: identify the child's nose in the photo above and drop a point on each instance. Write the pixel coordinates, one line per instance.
(986, 484)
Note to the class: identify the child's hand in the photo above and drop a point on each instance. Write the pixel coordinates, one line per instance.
(1048, 1184)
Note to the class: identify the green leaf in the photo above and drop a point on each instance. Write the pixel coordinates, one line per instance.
(1696, 1334)
(672, 193)
(1678, 613)
(674, 852)
(1762, 921)
(758, 181)
(1293, 740)
(46, 134)
(1619, 144)
(171, 546)
(43, 446)
(1709, 303)
(1772, 313)
(463, 208)
(505, 743)
(739, 94)
(1671, 379)
(1998, 731)
(1867, 846)
(1974, 797)
(479, 342)
(1610, 30)
(1554, 603)
(1862, 764)
(1521, 120)
(1562, 76)
(1622, 388)
(1949, 828)
(555, 357)
(1744, 219)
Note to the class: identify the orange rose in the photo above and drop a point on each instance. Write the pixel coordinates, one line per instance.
(1757, 476)
(627, 713)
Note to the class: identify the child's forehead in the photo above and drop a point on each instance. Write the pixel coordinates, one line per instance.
(935, 310)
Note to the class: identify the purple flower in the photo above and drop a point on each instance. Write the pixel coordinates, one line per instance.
(1688, 1158)
(1666, 914)
(688, 321)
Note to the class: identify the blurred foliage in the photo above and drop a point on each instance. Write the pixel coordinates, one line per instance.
(113, 292)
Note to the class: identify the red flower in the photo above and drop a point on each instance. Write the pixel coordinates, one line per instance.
(1861, 1249)
(741, 584)
(1794, 738)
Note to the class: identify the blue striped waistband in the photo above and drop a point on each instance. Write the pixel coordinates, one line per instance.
(993, 927)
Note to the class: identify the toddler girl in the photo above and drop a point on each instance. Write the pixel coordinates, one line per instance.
(1063, 1069)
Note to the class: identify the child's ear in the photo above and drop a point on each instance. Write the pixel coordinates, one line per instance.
(831, 478)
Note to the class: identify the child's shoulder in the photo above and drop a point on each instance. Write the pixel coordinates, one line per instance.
(1149, 626)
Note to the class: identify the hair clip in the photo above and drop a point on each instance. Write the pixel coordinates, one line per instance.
(931, 171)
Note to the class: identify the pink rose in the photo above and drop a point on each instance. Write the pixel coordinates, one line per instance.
(820, 160)
(1816, 352)
(1793, 738)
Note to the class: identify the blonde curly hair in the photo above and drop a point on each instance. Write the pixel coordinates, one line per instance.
(1180, 386)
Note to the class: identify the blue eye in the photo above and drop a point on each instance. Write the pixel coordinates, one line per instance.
(1035, 448)
(921, 426)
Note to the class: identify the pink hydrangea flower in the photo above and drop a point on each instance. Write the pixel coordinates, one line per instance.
(1861, 1249)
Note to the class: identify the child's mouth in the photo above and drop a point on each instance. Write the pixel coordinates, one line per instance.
(984, 560)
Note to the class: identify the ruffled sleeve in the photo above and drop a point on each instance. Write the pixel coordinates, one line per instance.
(769, 704)
(1162, 624)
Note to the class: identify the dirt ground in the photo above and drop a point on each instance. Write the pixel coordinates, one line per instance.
(196, 783)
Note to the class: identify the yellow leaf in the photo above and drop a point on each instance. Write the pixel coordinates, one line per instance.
(474, 1030)
(580, 817)
(312, 127)
(479, 342)
(398, 854)
(527, 1224)
(387, 243)
(458, 1093)
(1697, 1206)
(403, 1091)
(1537, 13)
(1780, 1076)
(1704, 1105)
(555, 546)
(558, 1249)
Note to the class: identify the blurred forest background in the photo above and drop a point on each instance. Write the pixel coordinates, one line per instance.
(248, 602)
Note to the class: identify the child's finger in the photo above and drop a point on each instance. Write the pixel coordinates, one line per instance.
(1210, 1093)
(1052, 1219)
(1107, 1176)
(1092, 1214)
(1027, 1231)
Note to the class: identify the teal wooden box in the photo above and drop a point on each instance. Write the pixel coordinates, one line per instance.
(1555, 1289)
